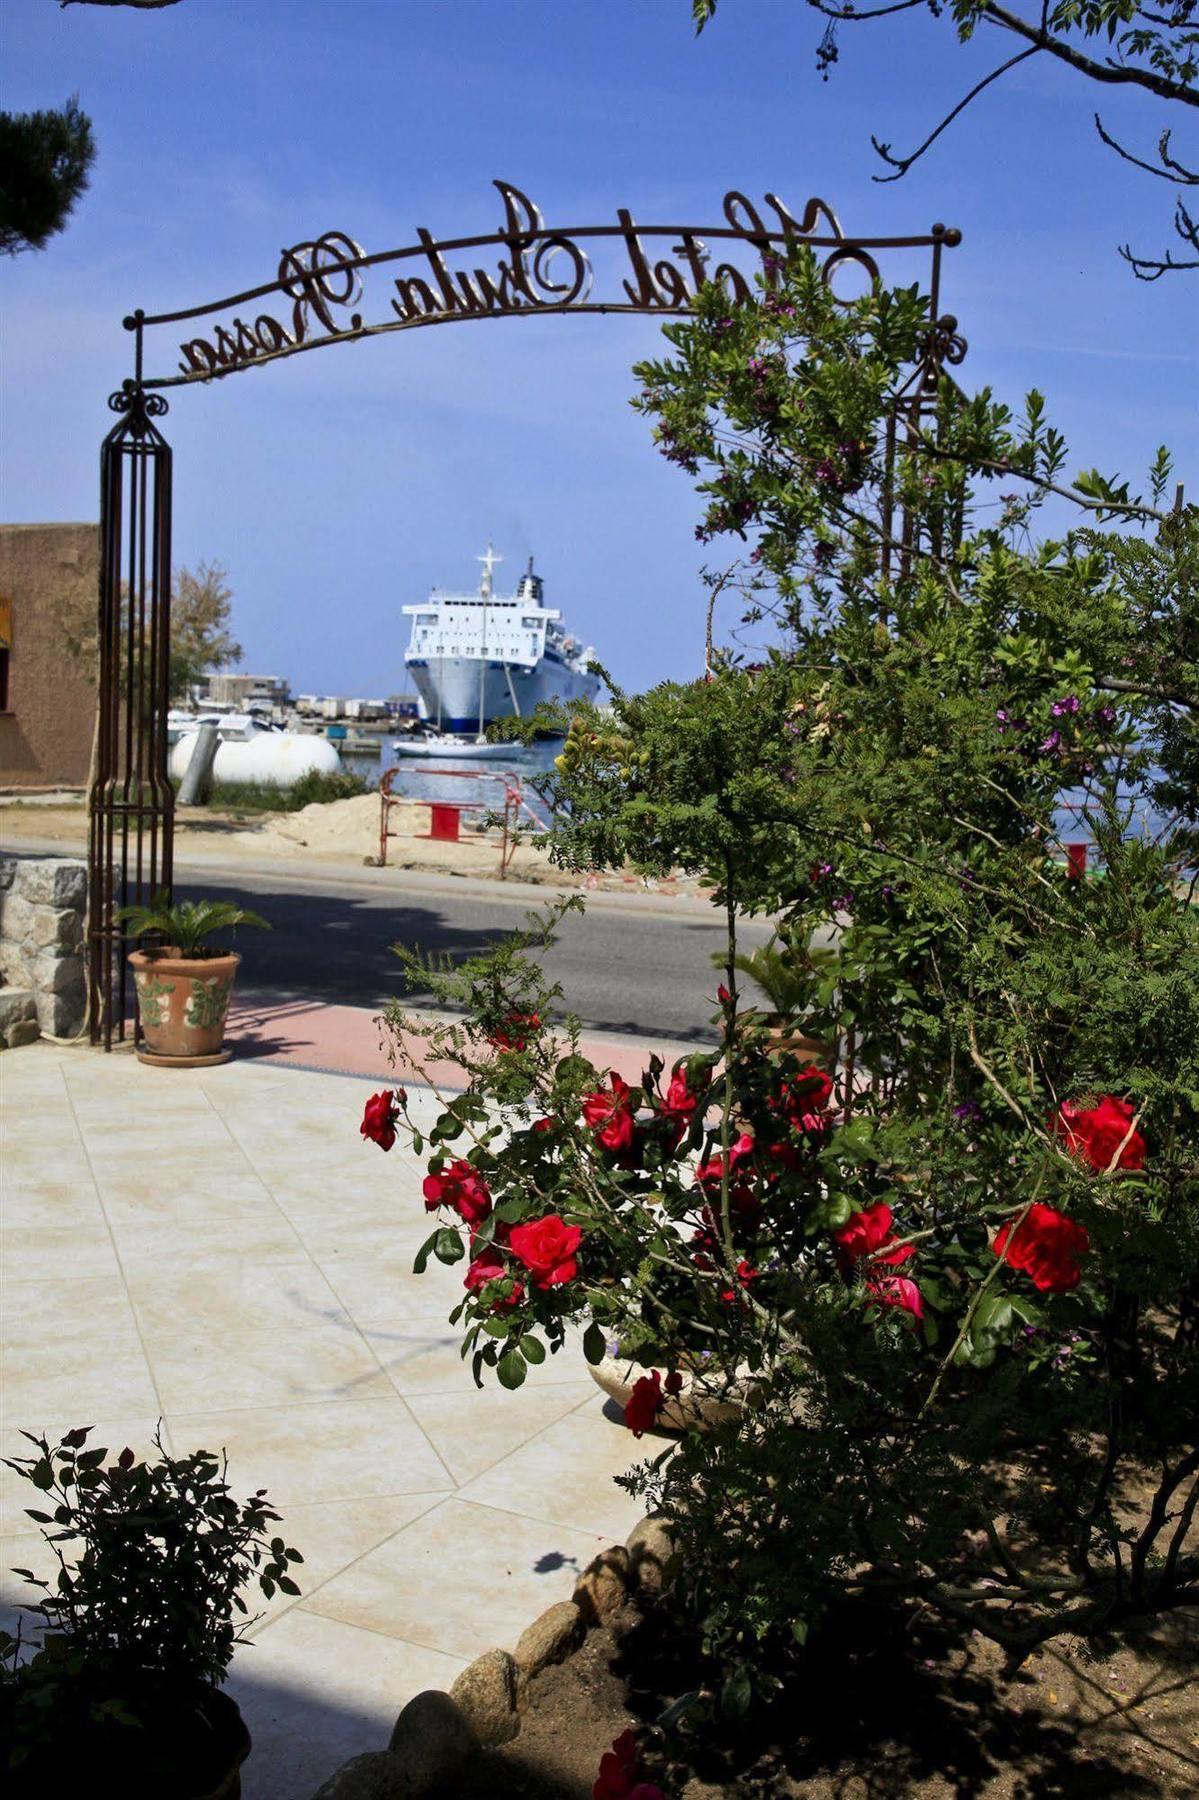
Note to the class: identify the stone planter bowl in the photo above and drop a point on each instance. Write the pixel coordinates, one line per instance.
(692, 1406)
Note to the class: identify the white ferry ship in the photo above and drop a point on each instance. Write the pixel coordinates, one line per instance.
(484, 656)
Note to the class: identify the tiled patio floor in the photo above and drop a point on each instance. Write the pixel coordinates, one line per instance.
(219, 1249)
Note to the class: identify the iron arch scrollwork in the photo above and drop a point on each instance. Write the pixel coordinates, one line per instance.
(318, 296)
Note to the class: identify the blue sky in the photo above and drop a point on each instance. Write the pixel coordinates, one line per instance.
(335, 487)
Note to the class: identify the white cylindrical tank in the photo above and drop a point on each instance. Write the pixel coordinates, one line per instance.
(274, 758)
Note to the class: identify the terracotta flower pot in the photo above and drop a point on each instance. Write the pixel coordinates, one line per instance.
(183, 1002)
(693, 1405)
(785, 1038)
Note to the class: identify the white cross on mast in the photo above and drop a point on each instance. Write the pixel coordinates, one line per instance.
(488, 561)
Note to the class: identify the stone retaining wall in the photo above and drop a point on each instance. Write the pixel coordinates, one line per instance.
(43, 919)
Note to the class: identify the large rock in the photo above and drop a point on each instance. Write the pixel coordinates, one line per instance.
(430, 1743)
(54, 974)
(603, 1587)
(52, 881)
(550, 1639)
(17, 917)
(62, 1015)
(373, 1776)
(650, 1548)
(15, 1004)
(485, 1695)
(55, 928)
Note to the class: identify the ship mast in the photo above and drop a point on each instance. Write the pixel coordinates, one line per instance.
(486, 590)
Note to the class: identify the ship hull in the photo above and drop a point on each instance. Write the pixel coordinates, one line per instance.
(455, 691)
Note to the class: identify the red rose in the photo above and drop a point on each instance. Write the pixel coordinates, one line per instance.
(710, 1175)
(867, 1233)
(1045, 1246)
(488, 1266)
(803, 1099)
(678, 1104)
(461, 1186)
(611, 1115)
(644, 1403)
(723, 995)
(547, 1248)
(745, 1274)
(543, 1124)
(1095, 1133)
(620, 1771)
(895, 1290)
(379, 1118)
(515, 1032)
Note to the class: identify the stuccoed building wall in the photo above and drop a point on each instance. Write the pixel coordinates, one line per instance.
(43, 919)
(48, 594)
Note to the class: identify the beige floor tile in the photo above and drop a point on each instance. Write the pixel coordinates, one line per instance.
(268, 1239)
(331, 1537)
(196, 1369)
(28, 1162)
(28, 1252)
(461, 1578)
(382, 1291)
(472, 1431)
(422, 1358)
(54, 1303)
(566, 1474)
(49, 1197)
(343, 1450)
(315, 1692)
(232, 1294)
(153, 1200)
(77, 1376)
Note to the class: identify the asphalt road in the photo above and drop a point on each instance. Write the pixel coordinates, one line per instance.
(628, 964)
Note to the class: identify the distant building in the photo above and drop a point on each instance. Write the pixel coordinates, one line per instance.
(245, 693)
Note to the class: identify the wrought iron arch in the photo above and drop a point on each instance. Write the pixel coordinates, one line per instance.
(524, 270)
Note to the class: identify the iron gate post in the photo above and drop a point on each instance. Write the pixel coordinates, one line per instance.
(130, 801)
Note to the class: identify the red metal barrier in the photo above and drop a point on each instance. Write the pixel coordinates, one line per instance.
(445, 816)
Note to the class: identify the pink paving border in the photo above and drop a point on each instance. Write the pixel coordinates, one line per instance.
(348, 1040)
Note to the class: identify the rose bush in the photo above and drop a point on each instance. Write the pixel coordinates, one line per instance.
(959, 1262)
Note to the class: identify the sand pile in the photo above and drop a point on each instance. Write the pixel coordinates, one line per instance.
(344, 828)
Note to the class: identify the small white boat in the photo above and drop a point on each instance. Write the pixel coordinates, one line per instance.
(446, 747)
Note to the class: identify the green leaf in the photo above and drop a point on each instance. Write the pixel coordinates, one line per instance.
(532, 1349)
(511, 1369)
(424, 1253)
(595, 1343)
(448, 1246)
(736, 1694)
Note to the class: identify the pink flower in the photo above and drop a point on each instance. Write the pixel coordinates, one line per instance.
(489, 1266)
(547, 1248)
(610, 1115)
(895, 1290)
(460, 1186)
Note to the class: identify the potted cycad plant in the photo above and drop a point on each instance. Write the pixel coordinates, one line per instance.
(785, 974)
(183, 980)
(135, 1632)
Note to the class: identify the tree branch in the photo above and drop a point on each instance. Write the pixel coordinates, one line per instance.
(1111, 74)
(901, 164)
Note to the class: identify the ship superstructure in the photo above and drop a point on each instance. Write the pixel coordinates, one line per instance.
(483, 656)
